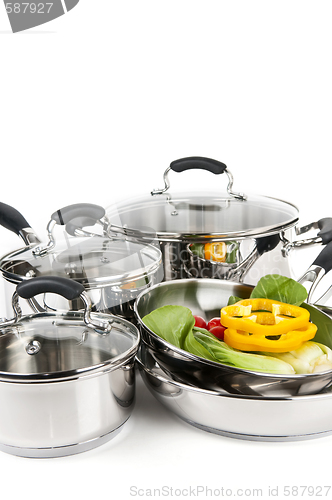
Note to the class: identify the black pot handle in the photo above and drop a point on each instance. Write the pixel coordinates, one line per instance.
(325, 226)
(202, 163)
(267, 243)
(66, 287)
(70, 212)
(198, 162)
(12, 219)
(324, 259)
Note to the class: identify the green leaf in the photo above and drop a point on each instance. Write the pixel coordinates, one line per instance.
(191, 345)
(172, 323)
(233, 299)
(281, 288)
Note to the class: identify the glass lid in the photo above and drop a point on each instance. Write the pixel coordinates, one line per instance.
(57, 345)
(92, 260)
(228, 214)
(183, 214)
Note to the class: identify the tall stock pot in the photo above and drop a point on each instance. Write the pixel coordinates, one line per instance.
(215, 234)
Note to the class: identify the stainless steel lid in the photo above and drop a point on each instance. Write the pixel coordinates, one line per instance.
(226, 215)
(62, 346)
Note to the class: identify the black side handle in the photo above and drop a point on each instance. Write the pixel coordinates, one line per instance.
(11, 219)
(79, 223)
(66, 214)
(65, 287)
(325, 226)
(267, 243)
(193, 162)
(324, 259)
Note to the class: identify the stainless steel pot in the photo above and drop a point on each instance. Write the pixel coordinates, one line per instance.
(113, 270)
(242, 417)
(257, 232)
(205, 297)
(67, 380)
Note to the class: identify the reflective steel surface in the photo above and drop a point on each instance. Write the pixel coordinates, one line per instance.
(205, 297)
(64, 387)
(237, 416)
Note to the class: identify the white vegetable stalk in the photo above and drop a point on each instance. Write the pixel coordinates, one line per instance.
(311, 357)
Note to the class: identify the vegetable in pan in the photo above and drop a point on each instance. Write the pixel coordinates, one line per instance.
(249, 341)
(220, 251)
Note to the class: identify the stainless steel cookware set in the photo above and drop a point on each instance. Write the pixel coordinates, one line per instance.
(76, 300)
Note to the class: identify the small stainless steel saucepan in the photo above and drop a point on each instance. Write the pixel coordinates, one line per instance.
(205, 297)
(113, 270)
(67, 380)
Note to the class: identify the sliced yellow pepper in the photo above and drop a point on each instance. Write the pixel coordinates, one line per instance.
(264, 317)
(215, 251)
(289, 341)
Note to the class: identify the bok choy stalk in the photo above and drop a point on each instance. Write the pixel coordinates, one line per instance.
(225, 354)
(311, 357)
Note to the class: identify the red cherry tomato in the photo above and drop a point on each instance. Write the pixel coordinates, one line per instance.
(200, 322)
(213, 322)
(218, 331)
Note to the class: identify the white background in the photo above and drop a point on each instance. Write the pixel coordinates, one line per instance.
(94, 107)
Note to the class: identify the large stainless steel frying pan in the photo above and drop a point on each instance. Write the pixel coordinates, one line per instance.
(205, 297)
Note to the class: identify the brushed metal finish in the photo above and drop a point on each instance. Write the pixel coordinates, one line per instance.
(205, 297)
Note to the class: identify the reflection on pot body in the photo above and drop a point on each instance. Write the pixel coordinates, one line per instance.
(60, 418)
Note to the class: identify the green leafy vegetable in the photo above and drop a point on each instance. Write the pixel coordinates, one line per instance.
(222, 353)
(172, 323)
(277, 287)
(192, 345)
(233, 299)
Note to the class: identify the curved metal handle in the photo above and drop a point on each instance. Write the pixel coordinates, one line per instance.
(324, 236)
(79, 212)
(321, 266)
(66, 287)
(13, 220)
(75, 226)
(199, 162)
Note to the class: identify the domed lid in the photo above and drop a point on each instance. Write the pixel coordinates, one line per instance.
(226, 215)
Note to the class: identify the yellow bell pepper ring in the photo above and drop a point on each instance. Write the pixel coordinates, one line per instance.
(243, 341)
(215, 251)
(264, 317)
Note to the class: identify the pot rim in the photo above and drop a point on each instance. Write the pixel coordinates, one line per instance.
(189, 237)
(77, 373)
(186, 387)
(89, 283)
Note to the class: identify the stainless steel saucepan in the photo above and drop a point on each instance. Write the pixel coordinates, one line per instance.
(216, 234)
(67, 380)
(205, 297)
(113, 270)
